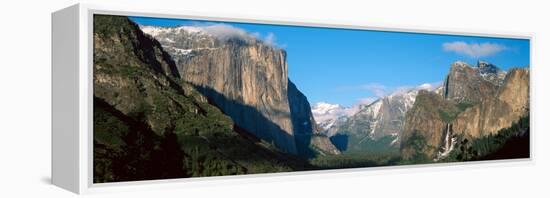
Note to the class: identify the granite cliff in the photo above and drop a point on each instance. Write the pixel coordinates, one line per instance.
(475, 101)
(465, 83)
(307, 132)
(427, 119)
(150, 124)
(245, 77)
(509, 103)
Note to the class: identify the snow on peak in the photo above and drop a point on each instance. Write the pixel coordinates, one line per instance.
(182, 51)
(327, 114)
(156, 30)
(324, 108)
(169, 40)
(461, 64)
(426, 86)
(404, 97)
(190, 29)
(373, 108)
(219, 31)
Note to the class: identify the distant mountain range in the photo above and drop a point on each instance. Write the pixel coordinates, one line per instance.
(384, 117)
(470, 100)
(327, 114)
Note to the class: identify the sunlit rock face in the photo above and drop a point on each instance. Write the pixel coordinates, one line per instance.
(475, 101)
(245, 77)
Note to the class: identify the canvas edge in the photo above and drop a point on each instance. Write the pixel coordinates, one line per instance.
(65, 112)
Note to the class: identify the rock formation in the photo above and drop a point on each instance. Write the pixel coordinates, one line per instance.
(306, 131)
(324, 145)
(476, 101)
(382, 118)
(149, 124)
(500, 111)
(245, 77)
(465, 83)
(427, 117)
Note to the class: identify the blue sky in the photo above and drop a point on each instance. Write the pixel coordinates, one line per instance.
(344, 66)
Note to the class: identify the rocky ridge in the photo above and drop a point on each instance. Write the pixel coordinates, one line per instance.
(383, 118)
(476, 101)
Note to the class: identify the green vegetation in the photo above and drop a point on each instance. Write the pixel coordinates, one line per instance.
(368, 144)
(449, 114)
(124, 147)
(149, 124)
(123, 152)
(508, 143)
(463, 105)
(416, 147)
(360, 152)
(357, 160)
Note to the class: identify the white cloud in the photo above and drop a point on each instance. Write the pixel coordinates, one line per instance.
(402, 90)
(377, 89)
(224, 31)
(256, 35)
(323, 111)
(429, 86)
(474, 50)
(426, 86)
(270, 39)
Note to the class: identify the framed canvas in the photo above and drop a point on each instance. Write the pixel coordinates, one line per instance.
(170, 98)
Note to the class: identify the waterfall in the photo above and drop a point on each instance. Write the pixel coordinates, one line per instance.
(448, 143)
(447, 137)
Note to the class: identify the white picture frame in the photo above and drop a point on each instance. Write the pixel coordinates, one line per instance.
(72, 100)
